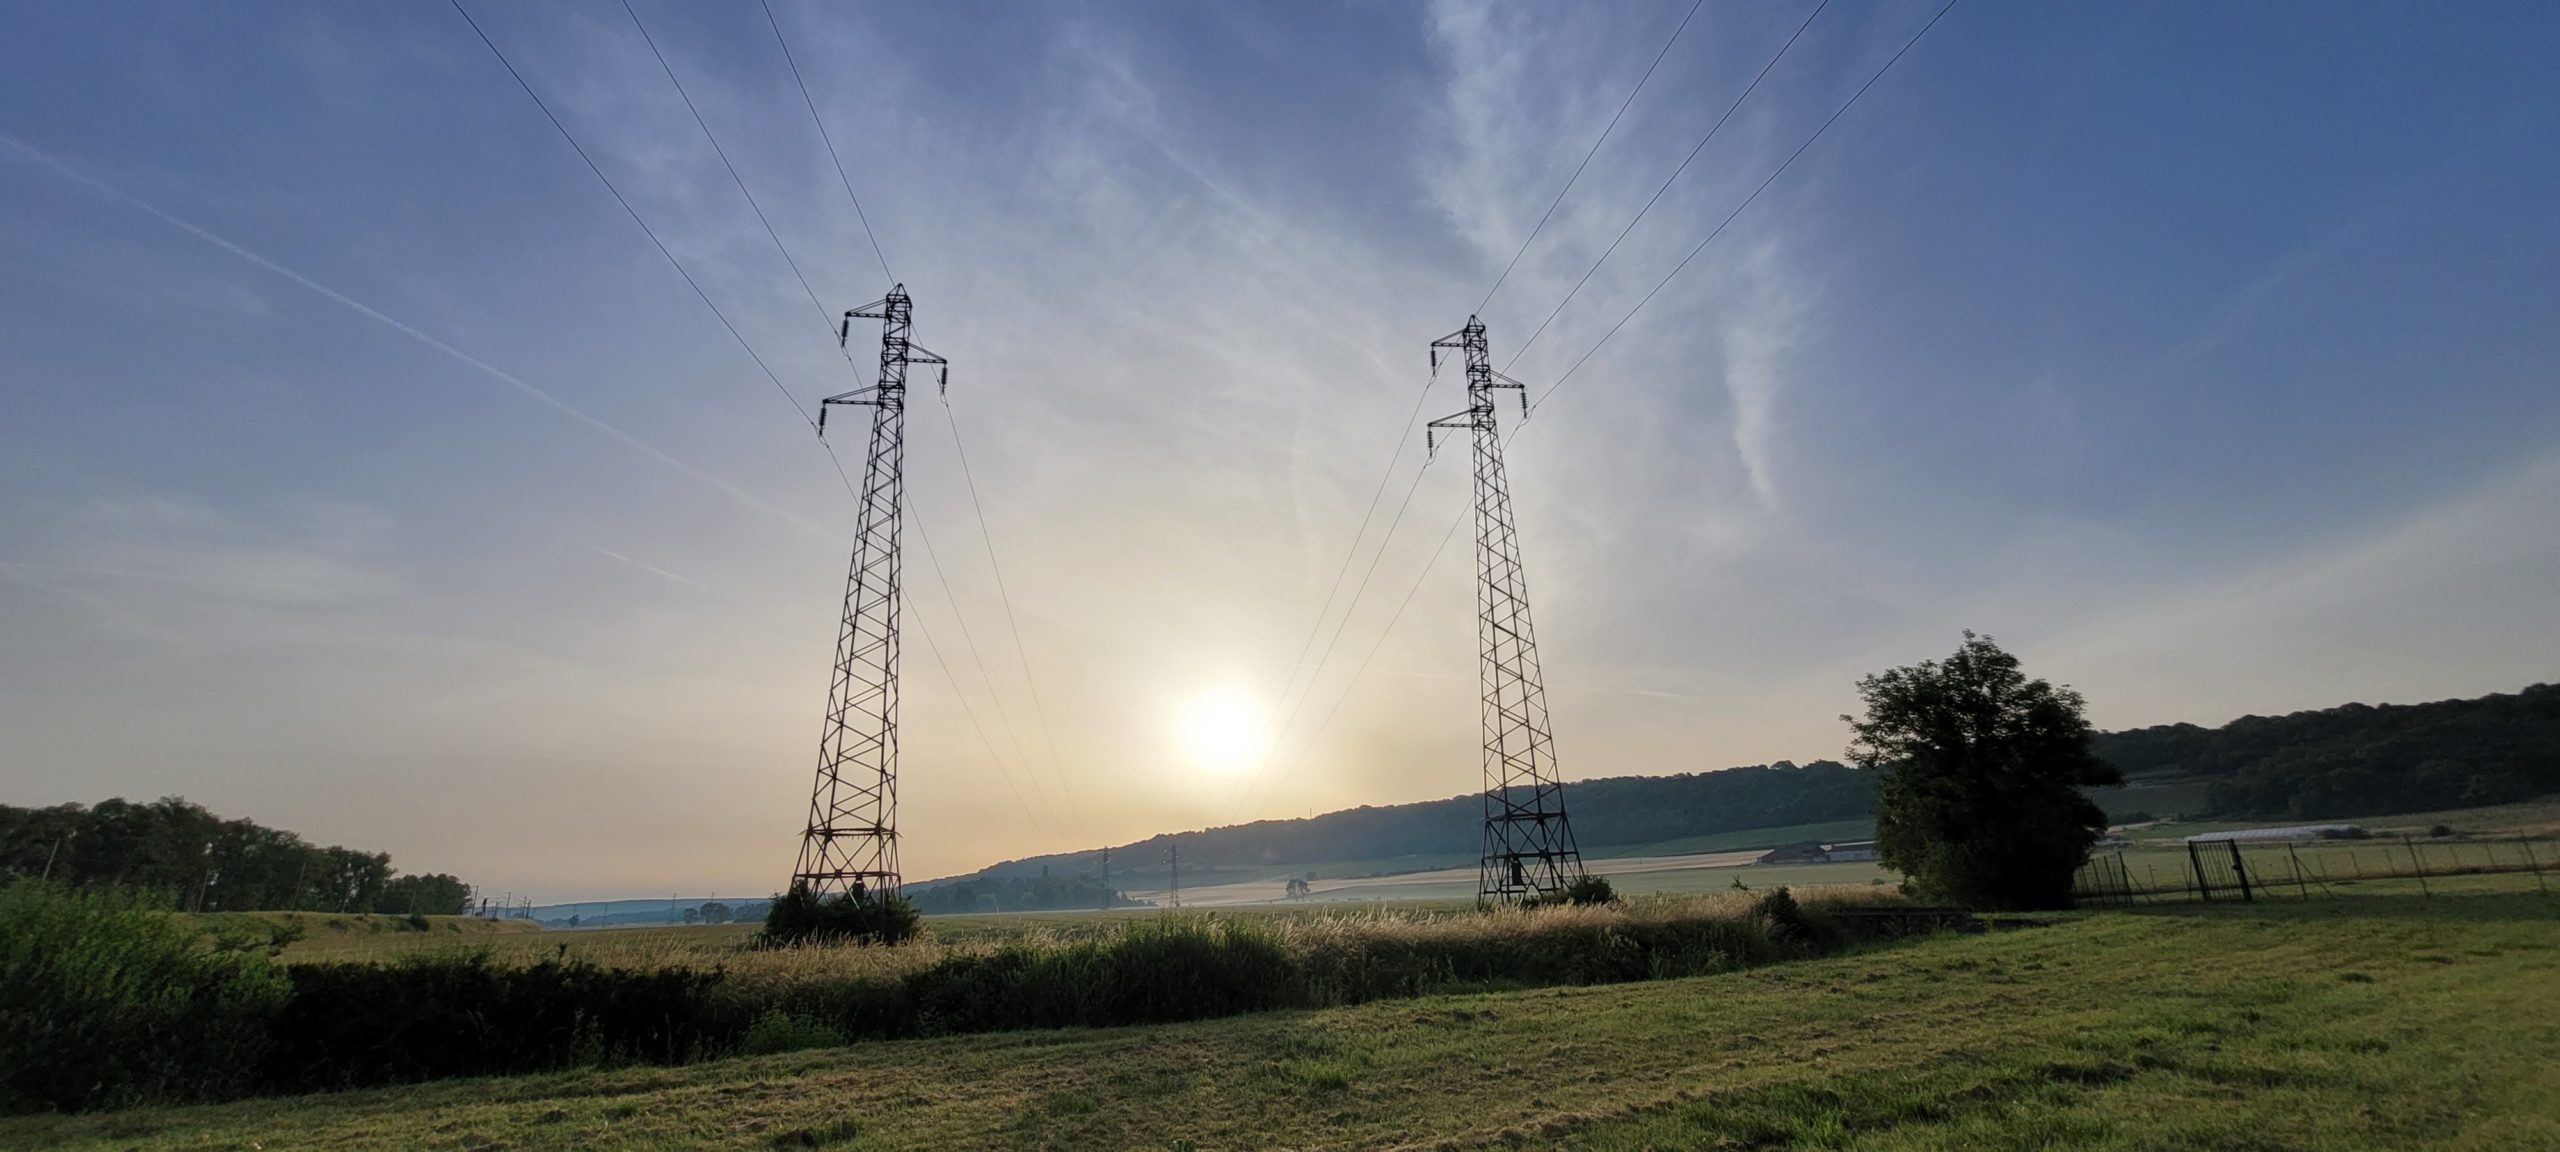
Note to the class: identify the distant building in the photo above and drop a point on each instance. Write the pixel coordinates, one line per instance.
(1817, 852)
(1807, 852)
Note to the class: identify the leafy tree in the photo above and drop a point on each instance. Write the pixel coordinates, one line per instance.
(1979, 800)
(436, 894)
(207, 863)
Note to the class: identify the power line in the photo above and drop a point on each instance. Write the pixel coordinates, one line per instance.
(1039, 711)
(972, 713)
(1559, 308)
(1316, 670)
(1383, 633)
(1420, 577)
(1746, 203)
(829, 140)
(1353, 553)
(1730, 109)
(678, 265)
(970, 639)
(1004, 596)
(1586, 157)
(824, 319)
(741, 339)
(1406, 436)
(935, 562)
(1002, 715)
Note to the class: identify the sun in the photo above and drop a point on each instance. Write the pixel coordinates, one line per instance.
(1223, 730)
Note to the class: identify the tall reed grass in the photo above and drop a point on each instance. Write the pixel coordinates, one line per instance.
(454, 1012)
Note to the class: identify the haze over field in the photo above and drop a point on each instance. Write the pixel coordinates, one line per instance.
(363, 469)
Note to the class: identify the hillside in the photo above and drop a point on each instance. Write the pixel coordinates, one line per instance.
(2352, 760)
(2360, 759)
(1612, 811)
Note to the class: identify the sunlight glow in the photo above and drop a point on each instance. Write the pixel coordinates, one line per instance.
(1223, 729)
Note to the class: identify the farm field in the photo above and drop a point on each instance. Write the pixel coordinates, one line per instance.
(2379, 1019)
(1693, 872)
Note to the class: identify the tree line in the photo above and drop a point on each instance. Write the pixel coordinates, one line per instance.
(2360, 759)
(1042, 893)
(207, 863)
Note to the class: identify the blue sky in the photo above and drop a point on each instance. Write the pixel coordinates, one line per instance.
(363, 469)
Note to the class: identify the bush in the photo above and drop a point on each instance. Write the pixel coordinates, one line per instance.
(433, 1016)
(1595, 890)
(801, 916)
(1151, 973)
(106, 999)
(1785, 921)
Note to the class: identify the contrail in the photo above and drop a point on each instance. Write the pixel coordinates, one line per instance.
(642, 565)
(502, 375)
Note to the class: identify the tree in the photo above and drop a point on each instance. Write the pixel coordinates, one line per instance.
(1979, 800)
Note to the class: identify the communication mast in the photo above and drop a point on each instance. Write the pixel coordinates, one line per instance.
(1528, 845)
(851, 842)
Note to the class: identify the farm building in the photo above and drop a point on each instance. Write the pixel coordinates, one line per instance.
(1816, 852)
(1807, 852)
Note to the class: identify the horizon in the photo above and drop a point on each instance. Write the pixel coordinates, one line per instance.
(368, 474)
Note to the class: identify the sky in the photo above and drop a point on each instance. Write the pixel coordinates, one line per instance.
(366, 471)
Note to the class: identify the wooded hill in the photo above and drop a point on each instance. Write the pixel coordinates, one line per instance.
(2360, 759)
(2352, 760)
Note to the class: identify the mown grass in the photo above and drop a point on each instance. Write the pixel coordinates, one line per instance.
(2377, 1020)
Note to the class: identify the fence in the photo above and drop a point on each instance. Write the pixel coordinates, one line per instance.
(2249, 871)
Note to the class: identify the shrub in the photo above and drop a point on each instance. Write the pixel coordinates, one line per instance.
(1783, 919)
(434, 1016)
(106, 999)
(801, 916)
(1150, 973)
(2440, 831)
(1595, 890)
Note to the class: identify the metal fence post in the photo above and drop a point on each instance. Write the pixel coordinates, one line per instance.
(2534, 862)
(2420, 863)
(2195, 860)
(2240, 870)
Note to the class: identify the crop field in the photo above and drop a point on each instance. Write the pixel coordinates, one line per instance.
(1694, 872)
(2379, 1019)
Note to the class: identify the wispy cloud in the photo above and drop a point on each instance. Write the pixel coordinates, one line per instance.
(501, 375)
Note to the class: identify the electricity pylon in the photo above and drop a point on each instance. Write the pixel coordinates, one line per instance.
(851, 843)
(1528, 845)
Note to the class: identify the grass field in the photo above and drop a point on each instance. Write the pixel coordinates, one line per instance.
(2380, 1019)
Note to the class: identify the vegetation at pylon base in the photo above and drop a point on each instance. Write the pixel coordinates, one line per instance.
(209, 863)
(801, 916)
(106, 999)
(1979, 800)
(1589, 890)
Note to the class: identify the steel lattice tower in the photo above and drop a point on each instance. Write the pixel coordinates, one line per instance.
(1528, 845)
(851, 843)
